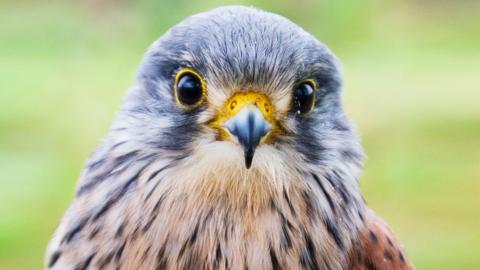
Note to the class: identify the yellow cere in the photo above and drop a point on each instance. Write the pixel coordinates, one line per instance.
(238, 101)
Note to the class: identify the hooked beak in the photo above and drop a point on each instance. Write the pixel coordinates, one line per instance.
(249, 126)
(250, 118)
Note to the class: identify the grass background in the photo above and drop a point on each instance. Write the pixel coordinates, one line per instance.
(412, 75)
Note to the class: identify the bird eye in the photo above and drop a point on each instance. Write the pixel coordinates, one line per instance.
(304, 97)
(190, 89)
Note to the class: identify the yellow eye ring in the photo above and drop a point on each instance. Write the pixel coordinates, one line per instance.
(190, 89)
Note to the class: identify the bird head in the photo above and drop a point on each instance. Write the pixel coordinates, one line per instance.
(237, 91)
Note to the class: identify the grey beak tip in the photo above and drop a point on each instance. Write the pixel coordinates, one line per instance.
(249, 126)
(248, 162)
(249, 157)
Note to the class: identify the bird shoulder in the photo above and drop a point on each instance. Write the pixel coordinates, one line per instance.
(377, 247)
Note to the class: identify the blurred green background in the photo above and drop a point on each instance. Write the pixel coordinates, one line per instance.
(412, 79)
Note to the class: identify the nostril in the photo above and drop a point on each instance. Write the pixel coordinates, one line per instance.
(233, 105)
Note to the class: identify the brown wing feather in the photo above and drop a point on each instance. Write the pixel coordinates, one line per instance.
(377, 248)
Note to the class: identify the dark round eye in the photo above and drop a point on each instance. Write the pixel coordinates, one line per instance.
(189, 89)
(304, 97)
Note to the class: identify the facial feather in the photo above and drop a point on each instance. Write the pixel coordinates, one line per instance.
(162, 190)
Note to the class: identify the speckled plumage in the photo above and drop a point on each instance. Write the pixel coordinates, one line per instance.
(162, 192)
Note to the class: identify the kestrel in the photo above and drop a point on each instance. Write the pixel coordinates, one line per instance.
(231, 151)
